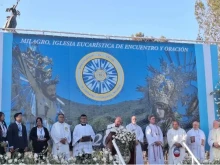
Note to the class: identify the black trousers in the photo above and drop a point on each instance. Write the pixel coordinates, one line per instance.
(2, 150)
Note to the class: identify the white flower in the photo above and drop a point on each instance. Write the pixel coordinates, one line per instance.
(62, 160)
(106, 152)
(10, 161)
(35, 155)
(123, 141)
(70, 159)
(15, 160)
(104, 159)
(110, 158)
(95, 159)
(30, 156)
(19, 155)
(55, 157)
(80, 154)
(1, 156)
(6, 158)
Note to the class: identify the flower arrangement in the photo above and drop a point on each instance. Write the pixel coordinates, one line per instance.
(103, 156)
(188, 160)
(125, 141)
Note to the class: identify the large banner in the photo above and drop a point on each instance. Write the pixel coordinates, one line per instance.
(103, 79)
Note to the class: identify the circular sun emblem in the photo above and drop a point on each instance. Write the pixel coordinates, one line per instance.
(99, 76)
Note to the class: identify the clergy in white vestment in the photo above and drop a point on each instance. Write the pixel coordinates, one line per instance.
(175, 137)
(214, 141)
(196, 141)
(61, 136)
(154, 137)
(83, 137)
(111, 127)
(133, 127)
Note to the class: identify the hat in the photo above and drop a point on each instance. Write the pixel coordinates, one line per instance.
(17, 114)
(176, 152)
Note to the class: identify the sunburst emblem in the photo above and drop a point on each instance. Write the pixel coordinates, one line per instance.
(99, 76)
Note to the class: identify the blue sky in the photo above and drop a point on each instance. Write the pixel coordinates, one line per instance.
(171, 18)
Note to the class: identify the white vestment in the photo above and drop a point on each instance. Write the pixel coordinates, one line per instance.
(214, 136)
(155, 153)
(82, 147)
(110, 128)
(196, 147)
(140, 137)
(176, 136)
(59, 131)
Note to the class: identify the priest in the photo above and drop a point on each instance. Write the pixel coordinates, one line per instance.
(154, 137)
(112, 127)
(214, 141)
(176, 136)
(196, 141)
(61, 136)
(133, 127)
(83, 137)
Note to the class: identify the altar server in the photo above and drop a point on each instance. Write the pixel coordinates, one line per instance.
(196, 141)
(83, 137)
(133, 127)
(214, 141)
(116, 125)
(176, 136)
(154, 137)
(61, 136)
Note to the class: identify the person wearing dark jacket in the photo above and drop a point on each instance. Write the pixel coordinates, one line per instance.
(17, 135)
(3, 133)
(39, 136)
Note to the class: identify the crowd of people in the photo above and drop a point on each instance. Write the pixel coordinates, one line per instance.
(83, 137)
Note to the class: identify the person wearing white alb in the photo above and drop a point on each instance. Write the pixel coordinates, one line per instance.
(83, 137)
(176, 136)
(61, 136)
(133, 127)
(196, 141)
(154, 137)
(214, 141)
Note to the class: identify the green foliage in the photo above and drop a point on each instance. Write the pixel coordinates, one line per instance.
(216, 95)
(141, 37)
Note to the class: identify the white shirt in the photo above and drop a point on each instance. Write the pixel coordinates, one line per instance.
(40, 133)
(19, 126)
(4, 129)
